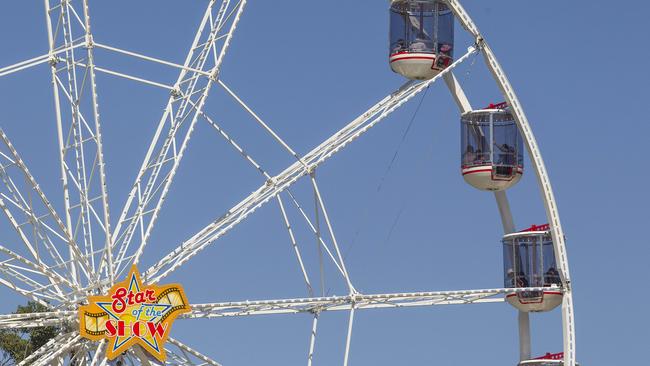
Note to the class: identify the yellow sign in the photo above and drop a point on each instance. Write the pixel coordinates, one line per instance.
(133, 313)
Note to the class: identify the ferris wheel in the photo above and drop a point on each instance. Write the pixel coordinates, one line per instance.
(64, 257)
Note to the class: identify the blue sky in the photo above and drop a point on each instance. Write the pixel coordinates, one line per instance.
(308, 68)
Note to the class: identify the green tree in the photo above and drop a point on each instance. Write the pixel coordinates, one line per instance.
(17, 344)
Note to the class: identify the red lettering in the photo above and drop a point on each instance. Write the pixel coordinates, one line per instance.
(156, 329)
(115, 327)
(110, 328)
(135, 329)
(150, 295)
(119, 304)
(122, 299)
(139, 297)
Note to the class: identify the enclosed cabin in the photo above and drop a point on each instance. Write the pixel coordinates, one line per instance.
(421, 38)
(492, 157)
(549, 359)
(529, 262)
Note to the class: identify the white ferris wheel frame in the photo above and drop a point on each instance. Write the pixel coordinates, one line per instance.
(86, 220)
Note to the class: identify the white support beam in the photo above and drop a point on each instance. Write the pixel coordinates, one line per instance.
(56, 352)
(193, 352)
(524, 336)
(359, 301)
(259, 121)
(341, 262)
(39, 60)
(289, 176)
(294, 245)
(183, 109)
(98, 355)
(48, 228)
(312, 340)
(348, 338)
(106, 223)
(32, 320)
(80, 141)
(47, 348)
(457, 93)
(320, 241)
(24, 275)
(507, 221)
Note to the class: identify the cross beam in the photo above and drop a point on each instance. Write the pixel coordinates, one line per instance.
(290, 175)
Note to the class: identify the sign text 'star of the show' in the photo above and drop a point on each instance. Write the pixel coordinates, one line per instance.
(133, 314)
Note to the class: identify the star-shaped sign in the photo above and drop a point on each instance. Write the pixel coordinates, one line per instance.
(133, 314)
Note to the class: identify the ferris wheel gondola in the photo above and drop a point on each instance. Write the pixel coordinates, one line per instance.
(491, 149)
(421, 38)
(529, 262)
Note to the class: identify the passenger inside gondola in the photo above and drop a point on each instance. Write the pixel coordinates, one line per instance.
(507, 154)
(551, 277)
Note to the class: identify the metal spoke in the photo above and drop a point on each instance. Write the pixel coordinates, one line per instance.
(312, 339)
(294, 245)
(290, 175)
(58, 351)
(32, 320)
(49, 230)
(23, 65)
(348, 338)
(48, 347)
(190, 351)
(257, 119)
(321, 204)
(178, 121)
(358, 301)
(81, 157)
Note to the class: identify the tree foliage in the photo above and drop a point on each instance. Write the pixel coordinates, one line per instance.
(17, 344)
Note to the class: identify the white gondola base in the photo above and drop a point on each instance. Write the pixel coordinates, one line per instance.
(548, 301)
(543, 363)
(549, 359)
(415, 66)
(484, 177)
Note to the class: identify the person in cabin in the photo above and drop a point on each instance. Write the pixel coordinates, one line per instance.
(398, 46)
(510, 275)
(521, 279)
(507, 154)
(469, 156)
(551, 277)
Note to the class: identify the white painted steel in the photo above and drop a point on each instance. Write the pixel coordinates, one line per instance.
(289, 176)
(542, 176)
(344, 303)
(507, 221)
(97, 253)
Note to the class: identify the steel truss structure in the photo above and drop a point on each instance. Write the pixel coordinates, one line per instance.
(79, 250)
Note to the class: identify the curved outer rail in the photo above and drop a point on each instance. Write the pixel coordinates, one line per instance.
(542, 178)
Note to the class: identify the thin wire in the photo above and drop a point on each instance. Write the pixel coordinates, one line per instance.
(399, 147)
(392, 228)
(470, 68)
(385, 175)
